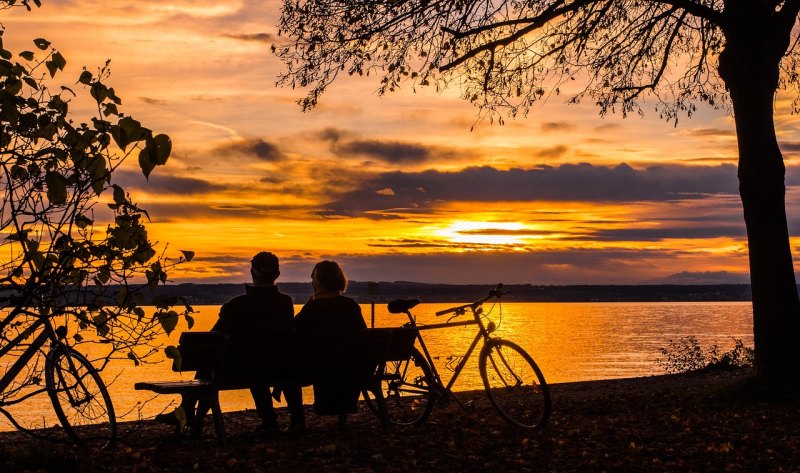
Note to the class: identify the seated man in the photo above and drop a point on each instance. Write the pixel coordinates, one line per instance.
(258, 316)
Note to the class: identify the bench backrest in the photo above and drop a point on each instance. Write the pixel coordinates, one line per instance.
(201, 351)
(256, 358)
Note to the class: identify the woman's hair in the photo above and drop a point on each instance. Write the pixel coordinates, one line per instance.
(329, 276)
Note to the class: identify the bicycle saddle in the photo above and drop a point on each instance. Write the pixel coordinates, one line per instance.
(402, 305)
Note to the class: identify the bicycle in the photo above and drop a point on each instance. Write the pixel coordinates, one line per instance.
(76, 390)
(512, 380)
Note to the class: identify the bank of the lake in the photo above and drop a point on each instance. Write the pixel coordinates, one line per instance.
(713, 421)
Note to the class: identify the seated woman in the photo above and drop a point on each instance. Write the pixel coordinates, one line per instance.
(329, 312)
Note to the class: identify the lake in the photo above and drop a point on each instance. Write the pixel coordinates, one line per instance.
(569, 341)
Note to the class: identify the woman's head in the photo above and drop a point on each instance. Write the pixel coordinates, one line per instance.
(328, 276)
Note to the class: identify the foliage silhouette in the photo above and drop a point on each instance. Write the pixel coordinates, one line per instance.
(507, 56)
(67, 255)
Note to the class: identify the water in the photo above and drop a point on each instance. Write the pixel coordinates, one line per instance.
(569, 341)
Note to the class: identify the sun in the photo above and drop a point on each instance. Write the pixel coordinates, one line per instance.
(484, 232)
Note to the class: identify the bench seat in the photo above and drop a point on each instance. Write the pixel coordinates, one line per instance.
(356, 359)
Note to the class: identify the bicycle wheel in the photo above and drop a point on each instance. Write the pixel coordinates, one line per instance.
(514, 384)
(406, 389)
(80, 398)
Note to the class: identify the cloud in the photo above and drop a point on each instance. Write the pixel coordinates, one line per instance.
(548, 127)
(163, 183)
(552, 152)
(567, 182)
(570, 266)
(389, 152)
(659, 234)
(790, 146)
(718, 132)
(153, 101)
(257, 148)
(259, 37)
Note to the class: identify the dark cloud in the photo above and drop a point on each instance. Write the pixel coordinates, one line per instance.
(192, 210)
(658, 234)
(557, 126)
(570, 266)
(258, 148)
(331, 134)
(705, 132)
(568, 182)
(504, 232)
(790, 146)
(163, 183)
(553, 152)
(389, 152)
(259, 37)
(153, 101)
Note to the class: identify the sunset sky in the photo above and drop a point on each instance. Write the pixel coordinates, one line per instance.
(398, 187)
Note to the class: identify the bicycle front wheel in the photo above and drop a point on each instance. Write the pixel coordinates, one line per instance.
(514, 384)
(407, 392)
(80, 398)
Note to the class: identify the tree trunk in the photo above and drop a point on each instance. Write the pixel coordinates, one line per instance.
(750, 68)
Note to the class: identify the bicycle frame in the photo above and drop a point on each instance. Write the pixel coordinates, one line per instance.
(25, 357)
(483, 333)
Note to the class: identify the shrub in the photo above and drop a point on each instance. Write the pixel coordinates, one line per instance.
(686, 354)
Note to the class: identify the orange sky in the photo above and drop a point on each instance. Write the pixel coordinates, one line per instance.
(398, 188)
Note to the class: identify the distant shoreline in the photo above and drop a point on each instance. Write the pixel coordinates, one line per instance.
(215, 294)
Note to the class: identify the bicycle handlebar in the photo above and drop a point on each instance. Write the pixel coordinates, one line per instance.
(497, 292)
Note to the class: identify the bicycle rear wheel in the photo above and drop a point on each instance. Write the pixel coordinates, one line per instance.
(406, 388)
(80, 398)
(514, 384)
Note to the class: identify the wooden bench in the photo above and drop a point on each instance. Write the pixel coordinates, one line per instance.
(356, 359)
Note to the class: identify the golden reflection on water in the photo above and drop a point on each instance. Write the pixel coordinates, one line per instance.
(569, 341)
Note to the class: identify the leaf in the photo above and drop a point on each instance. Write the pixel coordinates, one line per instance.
(145, 163)
(163, 148)
(82, 221)
(189, 321)
(56, 188)
(5, 54)
(31, 83)
(41, 43)
(168, 320)
(51, 67)
(27, 55)
(174, 354)
(188, 255)
(85, 78)
(119, 195)
(59, 60)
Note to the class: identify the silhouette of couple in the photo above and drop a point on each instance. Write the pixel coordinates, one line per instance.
(263, 309)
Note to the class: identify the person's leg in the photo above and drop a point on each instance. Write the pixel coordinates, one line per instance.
(294, 402)
(263, 401)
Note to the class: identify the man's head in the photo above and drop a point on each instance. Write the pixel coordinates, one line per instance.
(264, 268)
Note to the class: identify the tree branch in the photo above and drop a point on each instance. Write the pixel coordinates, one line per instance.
(535, 23)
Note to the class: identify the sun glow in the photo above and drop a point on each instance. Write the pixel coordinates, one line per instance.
(482, 232)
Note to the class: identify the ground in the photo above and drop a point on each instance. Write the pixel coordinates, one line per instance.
(702, 422)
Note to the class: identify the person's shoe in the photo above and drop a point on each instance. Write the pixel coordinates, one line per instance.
(268, 428)
(296, 428)
(341, 423)
(176, 418)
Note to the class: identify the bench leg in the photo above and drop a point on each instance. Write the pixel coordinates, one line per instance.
(216, 414)
(380, 401)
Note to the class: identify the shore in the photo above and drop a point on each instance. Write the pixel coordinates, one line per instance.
(709, 421)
